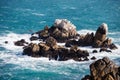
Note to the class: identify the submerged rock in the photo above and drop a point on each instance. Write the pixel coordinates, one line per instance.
(6, 42)
(104, 49)
(93, 58)
(94, 51)
(103, 69)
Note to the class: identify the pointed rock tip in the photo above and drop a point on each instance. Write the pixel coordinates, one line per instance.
(105, 26)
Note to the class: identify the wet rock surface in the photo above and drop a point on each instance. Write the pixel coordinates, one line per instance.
(21, 42)
(62, 30)
(55, 52)
(103, 69)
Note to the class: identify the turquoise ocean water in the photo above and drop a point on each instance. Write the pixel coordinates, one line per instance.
(19, 18)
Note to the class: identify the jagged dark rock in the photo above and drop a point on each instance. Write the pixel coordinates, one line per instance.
(70, 43)
(21, 42)
(62, 30)
(94, 51)
(98, 40)
(55, 52)
(32, 38)
(113, 46)
(103, 69)
(93, 58)
(86, 40)
(104, 49)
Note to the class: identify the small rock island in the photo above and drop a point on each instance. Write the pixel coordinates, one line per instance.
(63, 31)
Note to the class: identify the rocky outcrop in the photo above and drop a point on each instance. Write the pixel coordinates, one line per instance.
(62, 30)
(103, 69)
(104, 50)
(99, 40)
(100, 35)
(84, 40)
(67, 26)
(53, 51)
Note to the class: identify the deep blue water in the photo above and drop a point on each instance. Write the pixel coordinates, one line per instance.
(19, 17)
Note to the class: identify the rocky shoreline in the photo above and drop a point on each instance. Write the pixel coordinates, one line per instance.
(63, 31)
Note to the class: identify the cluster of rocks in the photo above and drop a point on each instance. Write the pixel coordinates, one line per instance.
(103, 69)
(64, 31)
(51, 50)
(99, 40)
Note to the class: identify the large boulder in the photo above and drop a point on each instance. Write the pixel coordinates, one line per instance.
(100, 35)
(42, 34)
(58, 32)
(44, 47)
(82, 55)
(67, 25)
(32, 50)
(104, 69)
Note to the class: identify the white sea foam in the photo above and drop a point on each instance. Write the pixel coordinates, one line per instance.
(38, 14)
(41, 22)
(68, 7)
(113, 33)
(24, 9)
(85, 31)
(11, 38)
